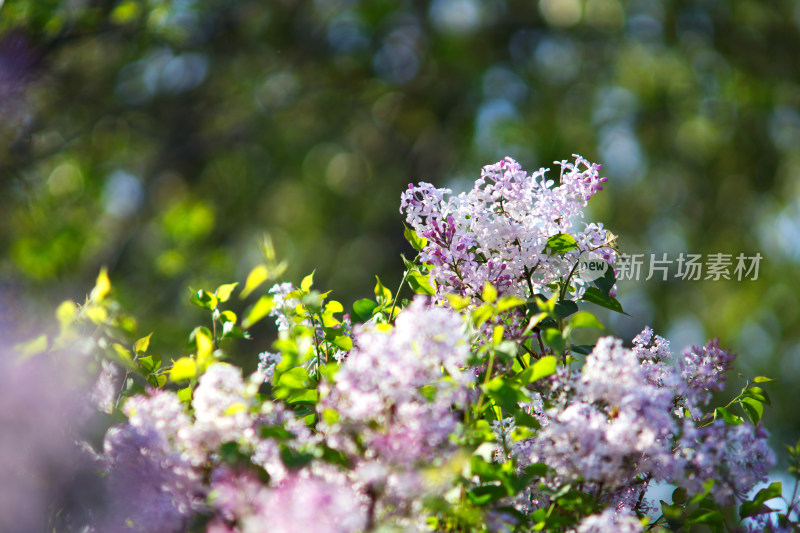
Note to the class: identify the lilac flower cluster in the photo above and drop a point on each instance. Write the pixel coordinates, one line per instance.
(614, 427)
(498, 231)
(617, 427)
(735, 457)
(703, 369)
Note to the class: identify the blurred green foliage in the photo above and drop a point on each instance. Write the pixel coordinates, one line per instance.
(162, 138)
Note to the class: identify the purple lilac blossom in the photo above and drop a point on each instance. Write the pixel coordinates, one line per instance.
(498, 231)
(703, 369)
(735, 457)
(151, 485)
(40, 400)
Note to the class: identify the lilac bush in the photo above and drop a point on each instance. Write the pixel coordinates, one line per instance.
(465, 407)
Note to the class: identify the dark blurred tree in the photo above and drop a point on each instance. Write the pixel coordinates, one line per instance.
(163, 137)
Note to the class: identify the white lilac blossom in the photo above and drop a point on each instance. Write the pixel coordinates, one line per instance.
(609, 521)
(498, 231)
(735, 457)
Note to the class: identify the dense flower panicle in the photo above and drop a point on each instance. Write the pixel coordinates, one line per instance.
(308, 504)
(386, 370)
(221, 409)
(396, 390)
(498, 231)
(608, 521)
(656, 360)
(151, 483)
(616, 427)
(735, 457)
(160, 415)
(149, 487)
(233, 492)
(703, 369)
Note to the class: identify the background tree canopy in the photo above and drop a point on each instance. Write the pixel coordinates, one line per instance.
(162, 138)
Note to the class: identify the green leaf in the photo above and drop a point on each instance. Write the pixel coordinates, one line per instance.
(102, 286)
(295, 378)
(142, 344)
(204, 299)
(305, 285)
(363, 309)
(420, 283)
(564, 308)
(758, 394)
(561, 243)
(183, 368)
(543, 368)
(504, 394)
(756, 505)
(673, 514)
(489, 294)
(32, 347)
(585, 319)
(223, 292)
(595, 296)
(705, 516)
(552, 337)
(417, 242)
(485, 494)
(606, 282)
(344, 342)
(583, 349)
(259, 310)
(753, 408)
(150, 363)
(524, 419)
(727, 416)
(507, 302)
(185, 394)
(762, 379)
(255, 279)
(382, 294)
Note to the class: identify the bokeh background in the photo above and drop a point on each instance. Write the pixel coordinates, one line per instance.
(163, 138)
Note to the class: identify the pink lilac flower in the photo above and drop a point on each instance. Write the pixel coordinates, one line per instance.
(313, 505)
